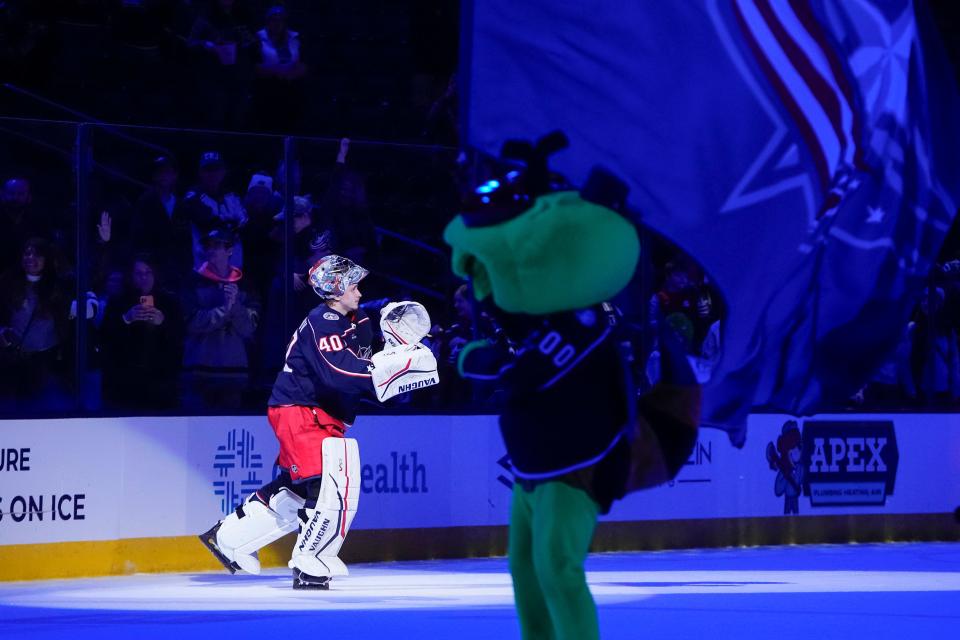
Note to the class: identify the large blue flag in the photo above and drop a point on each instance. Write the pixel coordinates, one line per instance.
(804, 152)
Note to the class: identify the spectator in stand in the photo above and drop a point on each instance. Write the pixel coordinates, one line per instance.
(934, 359)
(19, 221)
(110, 287)
(224, 41)
(262, 204)
(157, 230)
(682, 328)
(687, 301)
(260, 259)
(34, 331)
(141, 343)
(309, 244)
(891, 387)
(278, 90)
(209, 206)
(345, 212)
(690, 306)
(221, 317)
(446, 344)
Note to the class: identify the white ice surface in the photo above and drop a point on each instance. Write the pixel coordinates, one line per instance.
(907, 591)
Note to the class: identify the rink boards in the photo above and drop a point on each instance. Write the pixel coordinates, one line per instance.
(101, 496)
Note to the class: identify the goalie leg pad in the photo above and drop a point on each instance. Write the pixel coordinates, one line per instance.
(324, 528)
(254, 525)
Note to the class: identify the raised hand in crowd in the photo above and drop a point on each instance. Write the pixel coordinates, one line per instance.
(104, 228)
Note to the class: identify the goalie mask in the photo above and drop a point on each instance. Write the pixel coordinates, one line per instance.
(332, 275)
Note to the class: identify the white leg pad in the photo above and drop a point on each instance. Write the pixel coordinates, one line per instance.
(253, 526)
(325, 528)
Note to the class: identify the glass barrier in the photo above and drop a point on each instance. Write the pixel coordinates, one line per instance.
(193, 278)
(196, 219)
(185, 267)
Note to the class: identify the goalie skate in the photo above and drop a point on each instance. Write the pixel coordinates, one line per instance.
(302, 580)
(209, 540)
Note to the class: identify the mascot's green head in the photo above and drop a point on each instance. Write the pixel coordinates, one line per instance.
(539, 247)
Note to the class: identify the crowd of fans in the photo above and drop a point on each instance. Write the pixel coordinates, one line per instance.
(924, 371)
(188, 289)
(187, 286)
(922, 374)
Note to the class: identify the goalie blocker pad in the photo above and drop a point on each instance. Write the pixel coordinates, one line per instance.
(404, 369)
(404, 323)
(323, 529)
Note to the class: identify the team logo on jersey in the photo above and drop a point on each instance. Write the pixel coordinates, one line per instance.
(329, 315)
(238, 469)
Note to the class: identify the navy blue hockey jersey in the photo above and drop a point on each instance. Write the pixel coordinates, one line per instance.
(566, 394)
(327, 364)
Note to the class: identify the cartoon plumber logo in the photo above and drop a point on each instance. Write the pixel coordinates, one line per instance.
(785, 459)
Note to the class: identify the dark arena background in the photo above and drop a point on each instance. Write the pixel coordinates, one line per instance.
(172, 170)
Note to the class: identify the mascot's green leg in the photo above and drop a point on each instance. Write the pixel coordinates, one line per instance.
(551, 529)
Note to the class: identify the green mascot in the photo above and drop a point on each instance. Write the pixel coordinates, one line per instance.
(551, 260)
